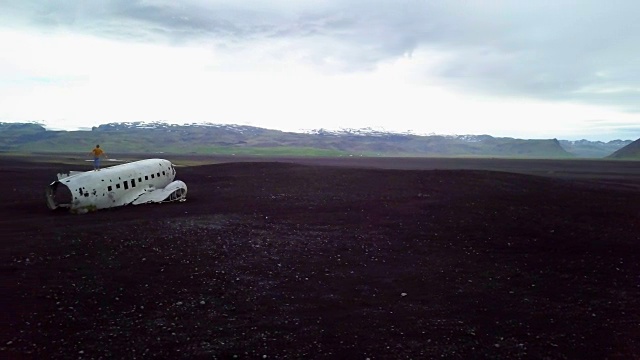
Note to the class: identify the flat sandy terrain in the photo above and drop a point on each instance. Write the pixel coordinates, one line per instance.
(330, 258)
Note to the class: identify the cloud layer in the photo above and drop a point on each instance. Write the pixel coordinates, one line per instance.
(561, 51)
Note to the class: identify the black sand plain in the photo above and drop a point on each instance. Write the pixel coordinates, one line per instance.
(351, 258)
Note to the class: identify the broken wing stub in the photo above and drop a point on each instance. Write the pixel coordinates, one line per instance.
(176, 191)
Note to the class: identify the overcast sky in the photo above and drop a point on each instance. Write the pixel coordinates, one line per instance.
(526, 69)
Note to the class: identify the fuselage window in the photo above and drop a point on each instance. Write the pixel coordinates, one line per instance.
(109, 188)
(139, 179)
(158, 174)
(146, 177)
(163, 174)
(118, 186)
(126, 185)
(152, 176)
(133, 182)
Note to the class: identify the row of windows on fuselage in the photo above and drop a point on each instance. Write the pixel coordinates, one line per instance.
(133, 181)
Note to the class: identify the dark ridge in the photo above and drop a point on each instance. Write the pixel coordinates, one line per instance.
(629, 152)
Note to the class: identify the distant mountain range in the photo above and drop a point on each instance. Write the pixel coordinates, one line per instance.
(593, 149)
(139, 137)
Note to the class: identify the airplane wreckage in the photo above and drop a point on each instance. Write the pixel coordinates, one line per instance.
(138, 182)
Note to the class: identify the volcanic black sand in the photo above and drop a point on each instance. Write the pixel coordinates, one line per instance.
(365, 258)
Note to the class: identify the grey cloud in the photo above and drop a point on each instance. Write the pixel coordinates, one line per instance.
(580, 51)
(633, 131)
(127, 20)
(625, 130)
(562, 50)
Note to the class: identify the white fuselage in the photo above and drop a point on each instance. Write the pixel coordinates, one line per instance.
(115, 186)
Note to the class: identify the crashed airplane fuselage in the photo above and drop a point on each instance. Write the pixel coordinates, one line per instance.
(138, 182)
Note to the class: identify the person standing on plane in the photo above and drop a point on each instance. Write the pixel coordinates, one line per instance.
(97, 153)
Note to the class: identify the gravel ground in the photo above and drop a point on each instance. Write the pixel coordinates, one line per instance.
(279, 260)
